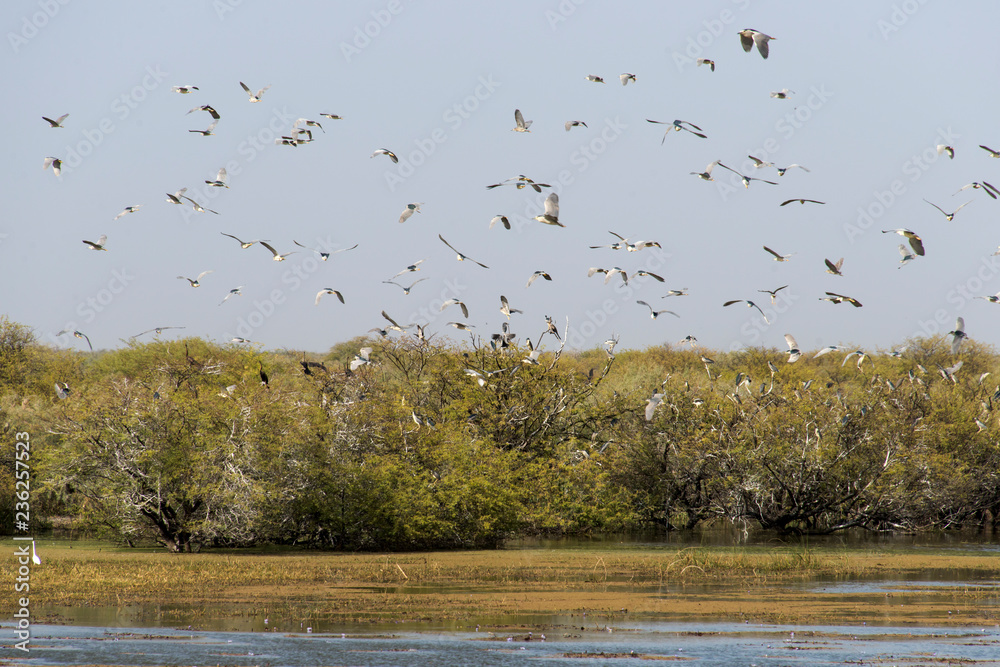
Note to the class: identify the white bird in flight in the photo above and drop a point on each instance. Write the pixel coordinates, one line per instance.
(653, 314)
(53, 162)
(521, 125)
(409, 210)
(536, 275)
(949, 216)
(220, 179)
(551, 215)
(705, 61)
(406, 290)
(456, 302)
(625, 77)
(328, 290)
(677, 126)
(388, 153)
(128, 209)
(461, 257)
(915, 241)
(254, 97)
(750, 37)
(236, 291)
(243, 244)
(183, 90)
(196, 282)
(57, 122)
(99, 244)
(412, 267)
(78, 334)
(277, 257)
(707, 174)
(208, 131)
(777, 256)
(750, 304)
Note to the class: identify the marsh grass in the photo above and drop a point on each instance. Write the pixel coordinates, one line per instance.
(451, 584)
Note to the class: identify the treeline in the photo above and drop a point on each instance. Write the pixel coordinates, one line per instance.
(192, 444)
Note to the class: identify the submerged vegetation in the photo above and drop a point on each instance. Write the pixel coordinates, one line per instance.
(192, 444)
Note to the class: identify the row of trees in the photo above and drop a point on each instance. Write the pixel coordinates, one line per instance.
(190, 443)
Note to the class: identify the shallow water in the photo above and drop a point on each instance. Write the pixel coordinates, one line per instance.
(695, 644)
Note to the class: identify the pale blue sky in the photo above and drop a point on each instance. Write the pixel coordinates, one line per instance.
(877, 86)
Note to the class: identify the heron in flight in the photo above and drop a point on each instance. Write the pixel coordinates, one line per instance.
(750, 304)
(128, 209)
(551, 215)
(254, 97)
(625, 77)
(750, 38)
(276, 256)
(833, 297)
(801, 201)
(773, 293)
(184, 90)
(536, 275)
(678, 125)
(949, 216)
(777, 256)
(207, 108)
(506, 309)
(915, 241)
(746, 179)
(57, 122)
(196, 282)
(99, 244)
(388, 153)
(220, 179)
(82, 336)
(461, 257)
(794, 353)
(991, 190)
(958, 335)
(653, 314)
(406, 290)
(521, 125)
(834, 267)
(410, 210)
(328, 290)
(707, 174)
(53, 162)
(705, 61)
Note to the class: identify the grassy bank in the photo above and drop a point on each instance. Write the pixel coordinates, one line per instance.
(696, 583)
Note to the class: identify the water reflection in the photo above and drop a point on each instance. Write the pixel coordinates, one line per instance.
(701, 644)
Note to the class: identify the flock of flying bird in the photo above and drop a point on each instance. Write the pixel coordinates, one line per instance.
(301, 133)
